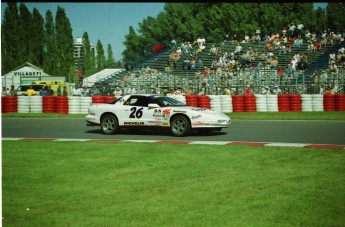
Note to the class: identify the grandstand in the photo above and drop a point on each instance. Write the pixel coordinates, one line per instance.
(161, 78)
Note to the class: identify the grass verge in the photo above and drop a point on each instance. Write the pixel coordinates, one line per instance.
(337, 116)
(142, 184)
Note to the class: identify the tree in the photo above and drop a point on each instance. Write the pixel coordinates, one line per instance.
(100, 63)
(89, 57)
(10, 39)
(64, 45)
(37, 38)
(110, 58)
(25, 26)
(50, 44)
(335, 16)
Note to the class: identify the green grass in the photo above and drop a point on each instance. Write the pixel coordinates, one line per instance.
(338, 116)
(143, 184)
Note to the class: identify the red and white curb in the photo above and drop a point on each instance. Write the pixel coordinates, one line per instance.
(257, 144)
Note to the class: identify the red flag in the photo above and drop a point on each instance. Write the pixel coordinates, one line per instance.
(80, 74)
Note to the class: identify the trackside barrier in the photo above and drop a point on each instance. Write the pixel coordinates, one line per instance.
(219, 103)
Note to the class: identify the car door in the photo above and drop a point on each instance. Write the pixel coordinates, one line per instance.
(134, 111)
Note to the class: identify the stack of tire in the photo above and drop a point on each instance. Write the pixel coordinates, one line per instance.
(329, 102)
(61, 105)
(249, 103)
(339, 102)
(192, 100)
(237, 103)
(48, 103)
(295, 103)
(261, 103)
(109, 98)
(74, 104)
(204, 101)
(317, 102)
(283, 103)
(215, 103)
(85, 103)
(9, 104)
(272, 103)
(37, 104)
(307, 105)
(97, 99)
(23, 104)
(226, 102)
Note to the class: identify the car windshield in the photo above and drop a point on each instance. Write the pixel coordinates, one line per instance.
(166, 101)
(114, 101)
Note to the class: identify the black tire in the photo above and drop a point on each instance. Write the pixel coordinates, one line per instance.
(109, 124)
(180, 126)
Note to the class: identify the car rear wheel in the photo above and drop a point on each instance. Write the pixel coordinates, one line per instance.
(109, 124)
(180, 126)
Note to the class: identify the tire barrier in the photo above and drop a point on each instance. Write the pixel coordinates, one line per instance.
(306, 103)
(203, 101)
(85, 103)
(339, 102)
(24, 104)
(261, 103)
(48, 103)
(215, 103)
(295, 103)
(226, 102)
(218, 103)
(237, 103)
(97, 99)
(107, 98)
(317, 102)
(36, 103)
(329, 102)
(193, 100)
(61, 105)
(249, 103)
(272, 103)
(283, 103)
(9, 104)
(74, 104)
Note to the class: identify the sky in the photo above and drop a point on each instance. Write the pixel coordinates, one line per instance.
(109, 22)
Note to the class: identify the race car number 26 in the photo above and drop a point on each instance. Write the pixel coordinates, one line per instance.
(136, 113)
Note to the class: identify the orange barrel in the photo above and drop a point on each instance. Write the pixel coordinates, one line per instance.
(108, 98)
(192, 100)
(295, 102)
(9, 104)
(340, 102)
(249, 103)
(49, 104)
(203, 101)
(283, 103)
(237, 103)
(98, 99)
(329, 102)
(61, 104)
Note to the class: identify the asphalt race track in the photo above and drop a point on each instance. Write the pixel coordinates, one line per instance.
(311, 132)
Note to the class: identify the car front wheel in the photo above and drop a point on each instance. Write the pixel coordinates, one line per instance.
(109, 124)
(180, 126)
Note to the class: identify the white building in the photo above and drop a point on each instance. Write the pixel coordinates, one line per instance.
(79, 52)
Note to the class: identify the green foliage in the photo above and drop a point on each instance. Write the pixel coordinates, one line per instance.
(100, 63)
(50, 44)
(187, 21)
(110, 59)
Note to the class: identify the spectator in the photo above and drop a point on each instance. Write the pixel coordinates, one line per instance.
(276, 90)
(173, 44)
(300, 27)
(188, 92)
(13, 92)
(292, 28)
(30, 91)
(226, 39)
(50, 91)
(248, 90)
(43, 91)
(86, 91)
(238, 49)
(4, 91)
(76, 91)
(64, 91)
(266, 91)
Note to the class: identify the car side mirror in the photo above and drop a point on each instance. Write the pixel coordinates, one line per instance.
(153, 105)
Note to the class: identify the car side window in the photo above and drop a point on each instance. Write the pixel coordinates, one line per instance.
(131, 102)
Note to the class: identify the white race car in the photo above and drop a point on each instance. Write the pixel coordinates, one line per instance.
(154, 111)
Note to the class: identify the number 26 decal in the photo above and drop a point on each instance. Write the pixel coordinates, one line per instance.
(136, 113)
